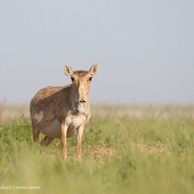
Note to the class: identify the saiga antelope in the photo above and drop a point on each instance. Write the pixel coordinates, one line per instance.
(63, 111)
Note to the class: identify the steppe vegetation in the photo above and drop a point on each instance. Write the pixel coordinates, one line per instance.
(126, 149)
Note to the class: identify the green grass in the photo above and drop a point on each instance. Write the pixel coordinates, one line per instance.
(121, 154)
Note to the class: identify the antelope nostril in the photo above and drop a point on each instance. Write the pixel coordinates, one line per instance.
(82, 101)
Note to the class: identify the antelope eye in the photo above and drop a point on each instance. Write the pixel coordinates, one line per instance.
(90, 79)
(72, 79)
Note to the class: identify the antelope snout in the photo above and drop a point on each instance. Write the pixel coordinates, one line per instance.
(82, 98)
(82, 101)
(82, 95)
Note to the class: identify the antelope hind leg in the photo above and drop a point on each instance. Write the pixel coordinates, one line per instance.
(46, 141)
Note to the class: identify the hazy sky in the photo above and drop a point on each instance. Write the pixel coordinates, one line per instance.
(144, 48)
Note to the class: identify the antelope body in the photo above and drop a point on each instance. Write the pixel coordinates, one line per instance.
(63, 111)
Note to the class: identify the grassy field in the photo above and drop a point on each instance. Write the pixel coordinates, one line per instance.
(129, 149)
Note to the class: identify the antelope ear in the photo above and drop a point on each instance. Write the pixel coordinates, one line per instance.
(94, 69)
(68, 71)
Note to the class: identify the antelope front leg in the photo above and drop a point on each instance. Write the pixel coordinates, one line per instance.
(79, 140)
(63, 138)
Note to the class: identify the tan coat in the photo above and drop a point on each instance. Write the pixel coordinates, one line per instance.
(63, 111)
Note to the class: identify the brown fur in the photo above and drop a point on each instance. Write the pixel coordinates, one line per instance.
(63, 111)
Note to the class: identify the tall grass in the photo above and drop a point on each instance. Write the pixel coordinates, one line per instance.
(123, 152)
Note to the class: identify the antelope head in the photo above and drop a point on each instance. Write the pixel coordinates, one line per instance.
(81, 83)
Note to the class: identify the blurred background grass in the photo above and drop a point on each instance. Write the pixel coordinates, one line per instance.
(126, 149)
